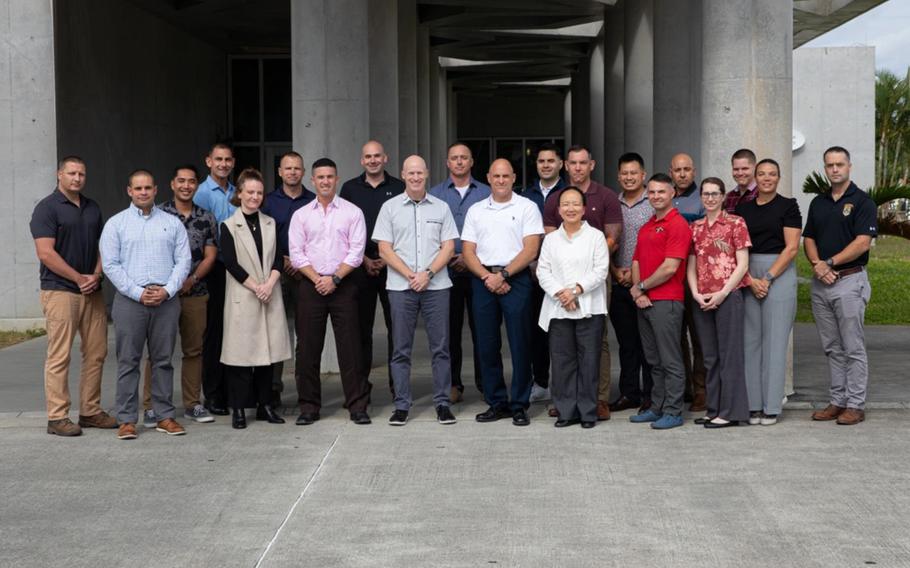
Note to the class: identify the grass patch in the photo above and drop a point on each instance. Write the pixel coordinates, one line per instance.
(889, 272)
(8, 338)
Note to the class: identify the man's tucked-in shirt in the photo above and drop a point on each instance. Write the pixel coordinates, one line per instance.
(498, 229)
(326, 237)
(138, 250)
(714, 247)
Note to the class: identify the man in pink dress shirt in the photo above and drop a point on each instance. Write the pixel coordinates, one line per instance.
(326, 239)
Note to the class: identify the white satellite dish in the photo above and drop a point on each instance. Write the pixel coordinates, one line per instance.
(798, 140)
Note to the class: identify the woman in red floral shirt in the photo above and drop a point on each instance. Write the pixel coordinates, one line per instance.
(717, 270)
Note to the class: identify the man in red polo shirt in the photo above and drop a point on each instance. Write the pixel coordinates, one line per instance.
(658, 273)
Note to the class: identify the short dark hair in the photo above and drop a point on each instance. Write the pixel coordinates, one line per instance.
(839, 149)
(220, 146)
(660, 177)
(743, 153)
(290, 154)
(458, 143)
(713, 181)
(630, 157)
(190, 167)
(584, 199)
(248, 174)
(69, 160)
(580, 148)
(139, 172)
(769, 161)
(324, 163)
(550, 147)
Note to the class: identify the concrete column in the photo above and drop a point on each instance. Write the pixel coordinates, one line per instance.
(423, 97)
(677, 84)
(747, 84)
(451, 114)
(407, 80)
(639, 74)
(747, 89)
(596, 100)
(438, 117)
(330, 59)
(614, 91)
(331, 80)
(581, 106)
(28, 149)
(384, 78)
(567, 118)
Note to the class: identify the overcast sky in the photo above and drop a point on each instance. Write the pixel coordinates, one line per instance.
(885, 27)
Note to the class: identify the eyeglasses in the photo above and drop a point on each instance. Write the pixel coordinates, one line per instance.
(712, 194)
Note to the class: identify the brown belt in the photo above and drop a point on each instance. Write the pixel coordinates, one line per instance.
(849, 271)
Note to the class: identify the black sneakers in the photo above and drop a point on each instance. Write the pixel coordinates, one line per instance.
(444, 415)
(399, 418)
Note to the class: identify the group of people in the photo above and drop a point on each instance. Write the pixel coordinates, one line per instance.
(239, 272)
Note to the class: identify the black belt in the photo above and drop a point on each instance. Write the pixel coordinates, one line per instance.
(849, 271)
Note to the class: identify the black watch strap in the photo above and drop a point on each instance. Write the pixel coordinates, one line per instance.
(336, 280)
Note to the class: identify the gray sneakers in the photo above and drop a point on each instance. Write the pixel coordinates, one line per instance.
(198, 414)
(149, 419)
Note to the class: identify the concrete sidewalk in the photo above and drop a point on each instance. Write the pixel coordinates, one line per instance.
(334, 494)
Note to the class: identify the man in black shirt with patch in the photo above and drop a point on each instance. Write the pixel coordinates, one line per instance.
(838, 233)
(369, 191)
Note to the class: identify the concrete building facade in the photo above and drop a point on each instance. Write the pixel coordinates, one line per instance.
(143, 83)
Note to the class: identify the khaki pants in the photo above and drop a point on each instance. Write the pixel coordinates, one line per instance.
(68, 313)
(192, 331)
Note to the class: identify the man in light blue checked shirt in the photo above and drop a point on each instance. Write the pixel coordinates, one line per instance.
(145, 254)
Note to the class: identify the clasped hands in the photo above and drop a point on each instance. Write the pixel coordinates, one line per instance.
(824, 272)
(568, 299)
(88, 283)
(153, 296)
(708, 302)
(495, 283)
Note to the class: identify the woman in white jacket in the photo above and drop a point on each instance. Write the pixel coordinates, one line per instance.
(572, 270)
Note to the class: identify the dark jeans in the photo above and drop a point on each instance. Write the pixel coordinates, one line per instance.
(213, 376)
(313, 312)
(635, 380)
(489, 312)
(540, 347)
(371, 288)
(461, 296)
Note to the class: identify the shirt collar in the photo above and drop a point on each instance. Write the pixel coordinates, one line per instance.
(137, 211)
(489, 203)
(641, 198)
(280, 194)
(363, 180)
(405, 198)
(472, 183)
(541, 187)
(851, 189)
(688, 191)
(673, 213)
(562, 230)
(213, 185)
(334, 203)
(722, 219)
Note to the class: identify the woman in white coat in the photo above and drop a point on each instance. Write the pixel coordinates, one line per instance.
(255, 330)
(572, 270)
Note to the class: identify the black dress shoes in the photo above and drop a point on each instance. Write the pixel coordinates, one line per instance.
(493, 414)
(238, 421)
(562, 423)
(623, 404)
(360, 418)
(265, 412)
(703, 420)
(216, 409)
(586, 424)
(520, 418)
(307, 418)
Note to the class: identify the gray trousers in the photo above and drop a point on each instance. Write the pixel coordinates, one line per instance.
(575, 347)
(839, 311)
(766, 335)
(660, 327)
(721, 334)
(136, 325)
(433, 306)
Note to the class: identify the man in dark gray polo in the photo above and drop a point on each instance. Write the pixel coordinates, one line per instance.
(416, 236)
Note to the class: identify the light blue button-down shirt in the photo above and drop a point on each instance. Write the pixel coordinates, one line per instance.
(138, 250)
(457, 204)
(212, 198)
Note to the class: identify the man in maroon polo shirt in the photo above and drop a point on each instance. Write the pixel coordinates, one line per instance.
(658, 273)
(602, 211)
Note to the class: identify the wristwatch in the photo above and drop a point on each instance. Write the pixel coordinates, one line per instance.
(336, 280)
(430, 273)
(830, 261)
(505, 273)
(768, 276)
(641, 286)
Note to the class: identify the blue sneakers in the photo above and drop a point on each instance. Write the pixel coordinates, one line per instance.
(646, 416)
(667, 421)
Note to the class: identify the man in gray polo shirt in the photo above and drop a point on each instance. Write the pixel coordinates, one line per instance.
(416, 236)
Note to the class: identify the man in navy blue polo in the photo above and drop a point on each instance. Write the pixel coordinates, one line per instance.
(280, 205)
(460, 191)
(547, 185)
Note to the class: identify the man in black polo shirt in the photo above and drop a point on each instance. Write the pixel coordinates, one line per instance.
(839, 231)
(281, 204)
(369, 191)
(66, 226)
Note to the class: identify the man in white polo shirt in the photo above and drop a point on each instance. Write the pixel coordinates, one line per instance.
(416, 236)
(501, 237)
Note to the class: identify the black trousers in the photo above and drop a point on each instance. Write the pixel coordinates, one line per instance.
(239, 379)
(632, 364)
(371, 288)
(540, 346)
(461, 296)
(213, 372)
